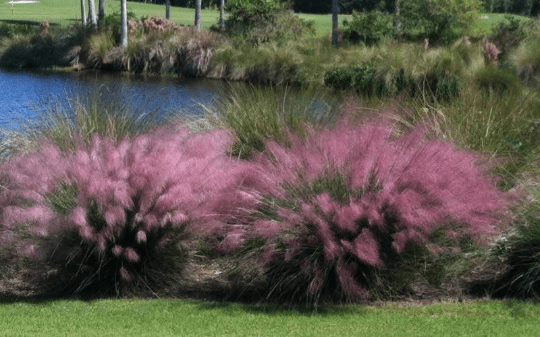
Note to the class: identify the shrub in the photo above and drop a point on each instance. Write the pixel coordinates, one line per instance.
(368, 28)
(365, 79)
(244, 14)
(111, 24)
(439, 19)
(110, 218)
(369, 81)
(259, 21)
(342, 215)
(508, 35)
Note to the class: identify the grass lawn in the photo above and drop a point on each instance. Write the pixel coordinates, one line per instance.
(65, 12)
(196, 318)
(486, 21)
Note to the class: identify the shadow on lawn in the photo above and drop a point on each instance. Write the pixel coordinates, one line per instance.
(277, 310)
(25, 22)
(35, 300)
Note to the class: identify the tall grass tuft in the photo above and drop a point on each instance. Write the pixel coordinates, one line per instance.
(111, 218)
(526, 61)
(350, 202)
(78, 119)
(519, 249)
(256, 114)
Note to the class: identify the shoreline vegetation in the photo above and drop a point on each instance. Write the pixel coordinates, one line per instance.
(436, 195)
(294, 51)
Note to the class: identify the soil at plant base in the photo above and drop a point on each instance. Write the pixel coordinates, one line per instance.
(207, 281)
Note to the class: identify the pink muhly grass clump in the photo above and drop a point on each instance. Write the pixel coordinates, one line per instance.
(361, 196)
(126, 201)
(492, 52)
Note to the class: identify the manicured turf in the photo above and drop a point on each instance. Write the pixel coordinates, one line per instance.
(486, 21)
(65, 12)
(186, 318)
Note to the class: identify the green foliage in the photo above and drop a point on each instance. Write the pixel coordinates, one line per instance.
(494, 79)
(521, 251)
(260, 114)
(525, 59)
(254, 22)
(439, 19)
(364, 79)
(370, 81)
(252, 12)
(63, 199)
(369, 28)
(508, 35)
(10, 30)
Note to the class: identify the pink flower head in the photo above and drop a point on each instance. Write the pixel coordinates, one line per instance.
(231, 243)
(131, 255)
(492, 52)
(125, 274)
(267, 229)
(117, 250)
(141, 236)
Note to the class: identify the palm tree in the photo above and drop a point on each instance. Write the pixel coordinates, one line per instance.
(168, 9)
(83, 13)
(222, 14)
(397, 22)
(124, 32)
(335, 10)
(101, 12)
(198, 6)
(92, 14)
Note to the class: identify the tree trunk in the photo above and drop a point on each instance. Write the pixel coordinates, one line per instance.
(397, 20)
(124, 32)
(168, 9)
(198, 9)
(222, 14)
(335, 10)
(92, 14)
(83, 13)
(101, 13)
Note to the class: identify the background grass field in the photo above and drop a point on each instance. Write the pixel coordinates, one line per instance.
(64, 12)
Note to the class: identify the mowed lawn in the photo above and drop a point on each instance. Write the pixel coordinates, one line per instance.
(66, 12)
(196, 318)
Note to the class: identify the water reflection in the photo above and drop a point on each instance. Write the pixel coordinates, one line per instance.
(23, 94)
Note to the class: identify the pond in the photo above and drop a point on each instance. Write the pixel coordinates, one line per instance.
(25, 94)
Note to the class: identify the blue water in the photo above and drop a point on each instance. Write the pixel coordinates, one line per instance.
(24, 94)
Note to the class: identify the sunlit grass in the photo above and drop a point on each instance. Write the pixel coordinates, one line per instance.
(258, 114)
(195, 318)
(64, 12)
(77, 119)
